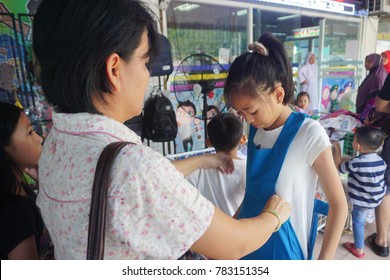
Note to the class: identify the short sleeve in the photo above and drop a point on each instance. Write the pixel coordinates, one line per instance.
(348, 166)
(344, 167)
(316, 140)
(193, 178)
(18, 222)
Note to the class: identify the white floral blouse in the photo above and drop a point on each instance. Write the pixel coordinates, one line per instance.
(153, 212)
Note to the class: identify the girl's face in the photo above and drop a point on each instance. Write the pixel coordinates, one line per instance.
(26, 145)
(385, 59)
(303, 102)
(261, 112)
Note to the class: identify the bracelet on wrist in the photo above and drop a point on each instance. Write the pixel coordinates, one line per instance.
(277, 217)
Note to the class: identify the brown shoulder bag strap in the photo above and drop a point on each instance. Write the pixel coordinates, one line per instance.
(97, 214)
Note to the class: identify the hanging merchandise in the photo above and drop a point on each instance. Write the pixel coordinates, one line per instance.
(198, 86)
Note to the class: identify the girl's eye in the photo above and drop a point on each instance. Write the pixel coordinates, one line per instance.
(254, 113)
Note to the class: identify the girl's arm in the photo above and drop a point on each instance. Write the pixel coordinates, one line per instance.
(382, 105)
(220, 161)
(227, 238)
(338, 207)
(25, 250)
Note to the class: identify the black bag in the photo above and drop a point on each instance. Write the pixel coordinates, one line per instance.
(135, 124)
(162, 65)
(159, 118)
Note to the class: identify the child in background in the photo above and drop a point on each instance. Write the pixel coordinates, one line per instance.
(225, 134)
(287, 153)
(303, 102)
(366, 184)
(22, 227)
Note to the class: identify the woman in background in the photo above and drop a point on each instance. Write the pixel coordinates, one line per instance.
(386, 60)
(371, 85)
(308, 77)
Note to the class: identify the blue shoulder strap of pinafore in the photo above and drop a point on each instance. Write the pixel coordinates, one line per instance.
(320, 208)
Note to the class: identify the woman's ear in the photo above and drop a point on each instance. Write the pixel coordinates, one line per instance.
(112, 70)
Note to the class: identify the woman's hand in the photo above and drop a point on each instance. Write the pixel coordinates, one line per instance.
(220, 161)
(279, 207)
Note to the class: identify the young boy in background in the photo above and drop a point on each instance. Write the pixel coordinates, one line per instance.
(225, 134)
(366, 184)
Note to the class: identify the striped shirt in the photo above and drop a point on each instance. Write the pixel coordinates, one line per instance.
(366, 183)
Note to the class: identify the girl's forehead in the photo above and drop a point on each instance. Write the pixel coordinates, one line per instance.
(243, 102)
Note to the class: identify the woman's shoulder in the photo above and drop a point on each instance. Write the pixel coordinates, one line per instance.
(134, 152)
(142, 159)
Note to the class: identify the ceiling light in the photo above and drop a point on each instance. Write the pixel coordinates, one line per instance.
(186, 7)
(242, 12)
(288, 17)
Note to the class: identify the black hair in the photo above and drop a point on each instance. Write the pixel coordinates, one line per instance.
(370, 137)
(225, 131)
(72, 40)
(303, 93)
(252, 73)
(187, 103)
(9, 172)
(212, 107)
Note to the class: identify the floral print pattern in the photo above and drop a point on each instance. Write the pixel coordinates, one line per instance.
(153, 212)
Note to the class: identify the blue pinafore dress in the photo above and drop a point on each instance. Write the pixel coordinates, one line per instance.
(263, 168)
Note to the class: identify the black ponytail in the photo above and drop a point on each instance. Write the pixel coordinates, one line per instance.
(251, 72)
